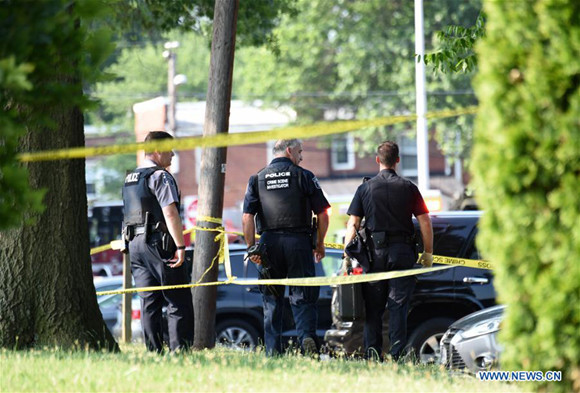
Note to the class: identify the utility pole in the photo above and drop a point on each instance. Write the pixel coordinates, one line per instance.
(213, 168)
(421, 101)
(171, 57)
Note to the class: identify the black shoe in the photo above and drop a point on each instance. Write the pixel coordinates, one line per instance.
(372, 355)
(309, 347)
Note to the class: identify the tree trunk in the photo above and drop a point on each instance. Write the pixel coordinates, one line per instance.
(211, 187)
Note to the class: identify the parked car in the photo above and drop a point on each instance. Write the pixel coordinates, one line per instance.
(109, 304)
(471, 342)
(439, 299)
(239, 309)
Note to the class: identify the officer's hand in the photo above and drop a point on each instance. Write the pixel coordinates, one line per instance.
(178, 259)
(319, 252)
(256, 259)
(346, 264)
(426, 259)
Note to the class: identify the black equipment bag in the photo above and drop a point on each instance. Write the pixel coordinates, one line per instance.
(350, 302)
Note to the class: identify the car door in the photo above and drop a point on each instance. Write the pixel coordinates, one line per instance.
(445, 243)
(231, 298)
(473, 283)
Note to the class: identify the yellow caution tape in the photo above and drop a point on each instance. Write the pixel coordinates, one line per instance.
(476, 263)
(235, 139)
(99, 249)
(223, 256)
(304, 282)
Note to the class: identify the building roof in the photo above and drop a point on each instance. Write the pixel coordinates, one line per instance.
(243, 117)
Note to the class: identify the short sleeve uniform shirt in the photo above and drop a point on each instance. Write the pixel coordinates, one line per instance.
(162, 184)
(388, 202)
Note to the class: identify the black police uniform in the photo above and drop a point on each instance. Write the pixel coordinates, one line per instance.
(282, 197)
(387, 202)
(149, 256)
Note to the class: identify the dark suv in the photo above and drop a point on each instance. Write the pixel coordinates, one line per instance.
(439, 299)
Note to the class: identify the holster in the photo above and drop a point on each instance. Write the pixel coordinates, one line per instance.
(265, 271)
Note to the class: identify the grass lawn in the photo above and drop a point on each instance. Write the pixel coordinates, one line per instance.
(220, 370)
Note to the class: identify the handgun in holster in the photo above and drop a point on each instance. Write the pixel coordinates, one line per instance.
(127, 233)
(265, 271)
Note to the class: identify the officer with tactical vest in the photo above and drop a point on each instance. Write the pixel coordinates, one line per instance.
(282, 198)
(153, 228)
(387, 202)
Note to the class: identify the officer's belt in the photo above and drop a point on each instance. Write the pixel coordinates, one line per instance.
(383, 239)
(285, 231)
(140, 229)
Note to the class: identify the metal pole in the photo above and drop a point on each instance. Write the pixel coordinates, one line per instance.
(171, 57)
(421, 98)
(171, 91)
(126, 310)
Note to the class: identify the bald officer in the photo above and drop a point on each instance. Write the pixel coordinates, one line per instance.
(282, 198)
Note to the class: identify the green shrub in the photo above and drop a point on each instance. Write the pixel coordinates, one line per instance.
(527, 174)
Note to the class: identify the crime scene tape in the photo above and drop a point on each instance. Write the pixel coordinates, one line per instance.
(304, 282)
(223, 257)
(235, 139)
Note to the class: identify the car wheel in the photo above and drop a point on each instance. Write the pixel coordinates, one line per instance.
(423, 344)
(236, 334)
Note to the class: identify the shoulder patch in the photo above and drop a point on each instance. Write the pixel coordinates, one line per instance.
(316, 183)
(166, 179)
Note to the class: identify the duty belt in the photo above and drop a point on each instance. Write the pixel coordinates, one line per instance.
(383, 239)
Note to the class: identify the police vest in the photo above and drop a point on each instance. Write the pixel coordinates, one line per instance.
(284, 204)
(138, 198)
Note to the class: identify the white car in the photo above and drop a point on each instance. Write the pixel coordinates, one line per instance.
(471, 342)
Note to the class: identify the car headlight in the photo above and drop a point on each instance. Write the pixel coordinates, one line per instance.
(485, 327)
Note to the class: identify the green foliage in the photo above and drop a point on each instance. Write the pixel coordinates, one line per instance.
(256, 18)
(15, 195)
(527, 175)
(140, 73)
(37, 36)
(356, 59)
(457, 48)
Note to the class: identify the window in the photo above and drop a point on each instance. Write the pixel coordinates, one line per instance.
(448, 240)
(237, 264)
(408, 155)
(342, 152)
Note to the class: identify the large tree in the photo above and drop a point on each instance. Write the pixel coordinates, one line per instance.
(46, 291)
(527, 175)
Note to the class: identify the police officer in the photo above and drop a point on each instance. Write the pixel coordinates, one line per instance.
(388, 202)
(157, 248)
(282, 198)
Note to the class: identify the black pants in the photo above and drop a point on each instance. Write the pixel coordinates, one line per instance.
(290, 255)
(149, 270)
(395, 294)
